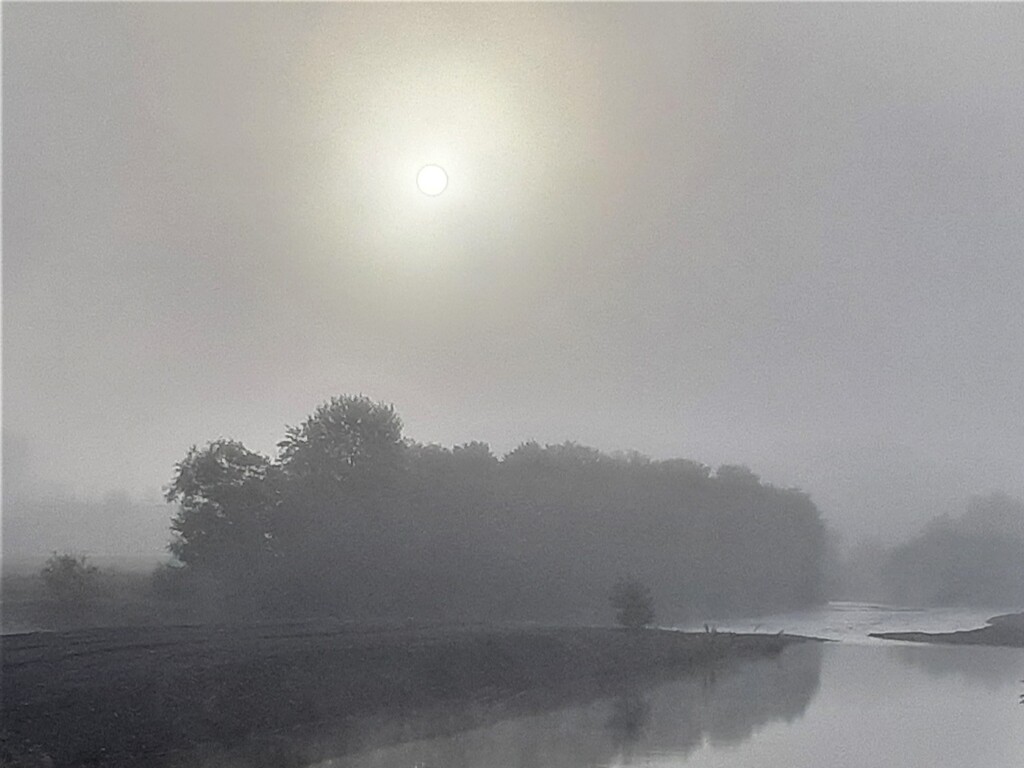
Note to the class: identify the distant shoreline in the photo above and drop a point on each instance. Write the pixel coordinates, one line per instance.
(152, 696)
(1005, 630)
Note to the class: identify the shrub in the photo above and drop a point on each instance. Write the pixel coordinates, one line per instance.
(70, 580)
(634, 607)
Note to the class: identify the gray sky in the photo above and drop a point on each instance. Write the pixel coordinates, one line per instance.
(787, 236)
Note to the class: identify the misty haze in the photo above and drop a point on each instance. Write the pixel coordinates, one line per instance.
(541, 384)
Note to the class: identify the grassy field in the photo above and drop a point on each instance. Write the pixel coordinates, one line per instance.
(291, 694)
(1006, 630)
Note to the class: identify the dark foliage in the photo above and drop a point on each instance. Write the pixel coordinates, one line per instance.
(977, 558)
(634, 607)
(70, 580)
(351, 520)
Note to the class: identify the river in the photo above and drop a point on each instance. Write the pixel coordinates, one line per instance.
(854, 703)
(851, 623)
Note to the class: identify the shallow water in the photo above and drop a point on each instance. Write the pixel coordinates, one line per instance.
(815, 705)
(850, 622)
(857, 703)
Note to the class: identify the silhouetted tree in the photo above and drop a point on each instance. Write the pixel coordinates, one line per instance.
(351, 519)
(633, 604)
(70, 580)
(975, 558)
(737, 473)
(343, 438)
(225, 505)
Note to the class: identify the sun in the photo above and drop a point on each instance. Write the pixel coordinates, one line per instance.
(432, 180)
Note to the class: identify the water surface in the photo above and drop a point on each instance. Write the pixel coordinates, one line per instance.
(854, 703)
(816, 705)
(851, 622)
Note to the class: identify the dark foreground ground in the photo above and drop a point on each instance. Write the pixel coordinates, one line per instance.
(1006, 630)
(287, 695)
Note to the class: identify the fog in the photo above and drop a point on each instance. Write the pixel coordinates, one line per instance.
(702, 369)
(787, 237)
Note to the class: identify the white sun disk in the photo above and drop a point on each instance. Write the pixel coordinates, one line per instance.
(432, 180)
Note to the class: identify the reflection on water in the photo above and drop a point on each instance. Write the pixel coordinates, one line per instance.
(631, 714)
(718, 708)
(844, 706)
(968, 665)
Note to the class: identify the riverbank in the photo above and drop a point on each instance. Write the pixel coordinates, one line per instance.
(1006, 630)
(152, 696)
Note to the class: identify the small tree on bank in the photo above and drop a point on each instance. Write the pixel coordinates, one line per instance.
(634, 607)
(71, 581)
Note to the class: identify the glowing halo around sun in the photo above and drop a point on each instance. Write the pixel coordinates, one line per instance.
(432, 180)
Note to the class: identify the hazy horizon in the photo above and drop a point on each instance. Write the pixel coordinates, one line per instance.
(786, 236)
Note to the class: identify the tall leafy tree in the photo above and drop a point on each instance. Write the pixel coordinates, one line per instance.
(345, 438)
(226, 503)
(352, 519)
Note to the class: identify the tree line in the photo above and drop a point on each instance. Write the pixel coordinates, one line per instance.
(352, 519)
(976, 558)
